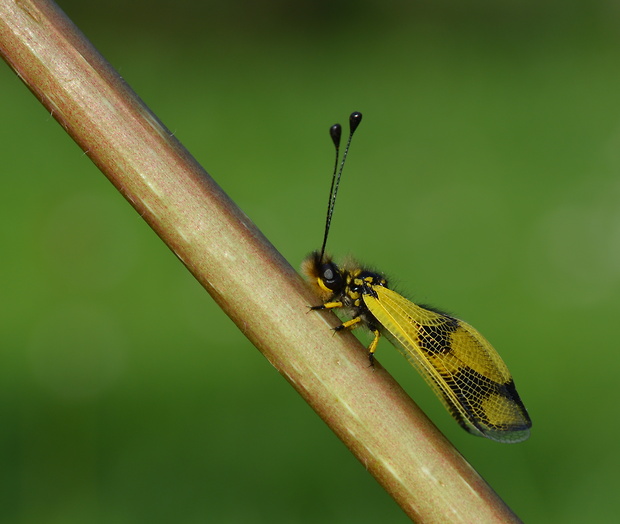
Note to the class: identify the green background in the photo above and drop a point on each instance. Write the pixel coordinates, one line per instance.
(484, 180)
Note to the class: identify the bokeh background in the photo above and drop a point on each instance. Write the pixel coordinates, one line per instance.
(484, 180)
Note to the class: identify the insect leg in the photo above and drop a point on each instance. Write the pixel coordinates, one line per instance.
(373, 346)
(328, 305)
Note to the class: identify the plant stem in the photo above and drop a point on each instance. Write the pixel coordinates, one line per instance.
(241, 270)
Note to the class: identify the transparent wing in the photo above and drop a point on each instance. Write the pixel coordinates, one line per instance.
(458, 363)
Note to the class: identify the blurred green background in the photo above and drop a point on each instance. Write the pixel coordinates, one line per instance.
(484, 180)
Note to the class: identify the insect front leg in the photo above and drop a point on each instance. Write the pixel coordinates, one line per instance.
(335, 305)
(349, 324)
(353, 323)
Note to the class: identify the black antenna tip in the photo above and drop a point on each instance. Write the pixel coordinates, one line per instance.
(354, 121)
(335, 132)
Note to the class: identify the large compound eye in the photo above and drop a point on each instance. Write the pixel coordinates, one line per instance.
(331, 277)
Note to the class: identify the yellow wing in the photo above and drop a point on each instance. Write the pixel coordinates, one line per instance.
(459, 364)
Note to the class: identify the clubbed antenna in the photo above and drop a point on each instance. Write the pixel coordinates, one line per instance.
(335, 132)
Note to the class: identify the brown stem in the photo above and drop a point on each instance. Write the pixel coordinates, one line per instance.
(241, 270)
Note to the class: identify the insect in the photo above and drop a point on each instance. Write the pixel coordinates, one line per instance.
(459, 364)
